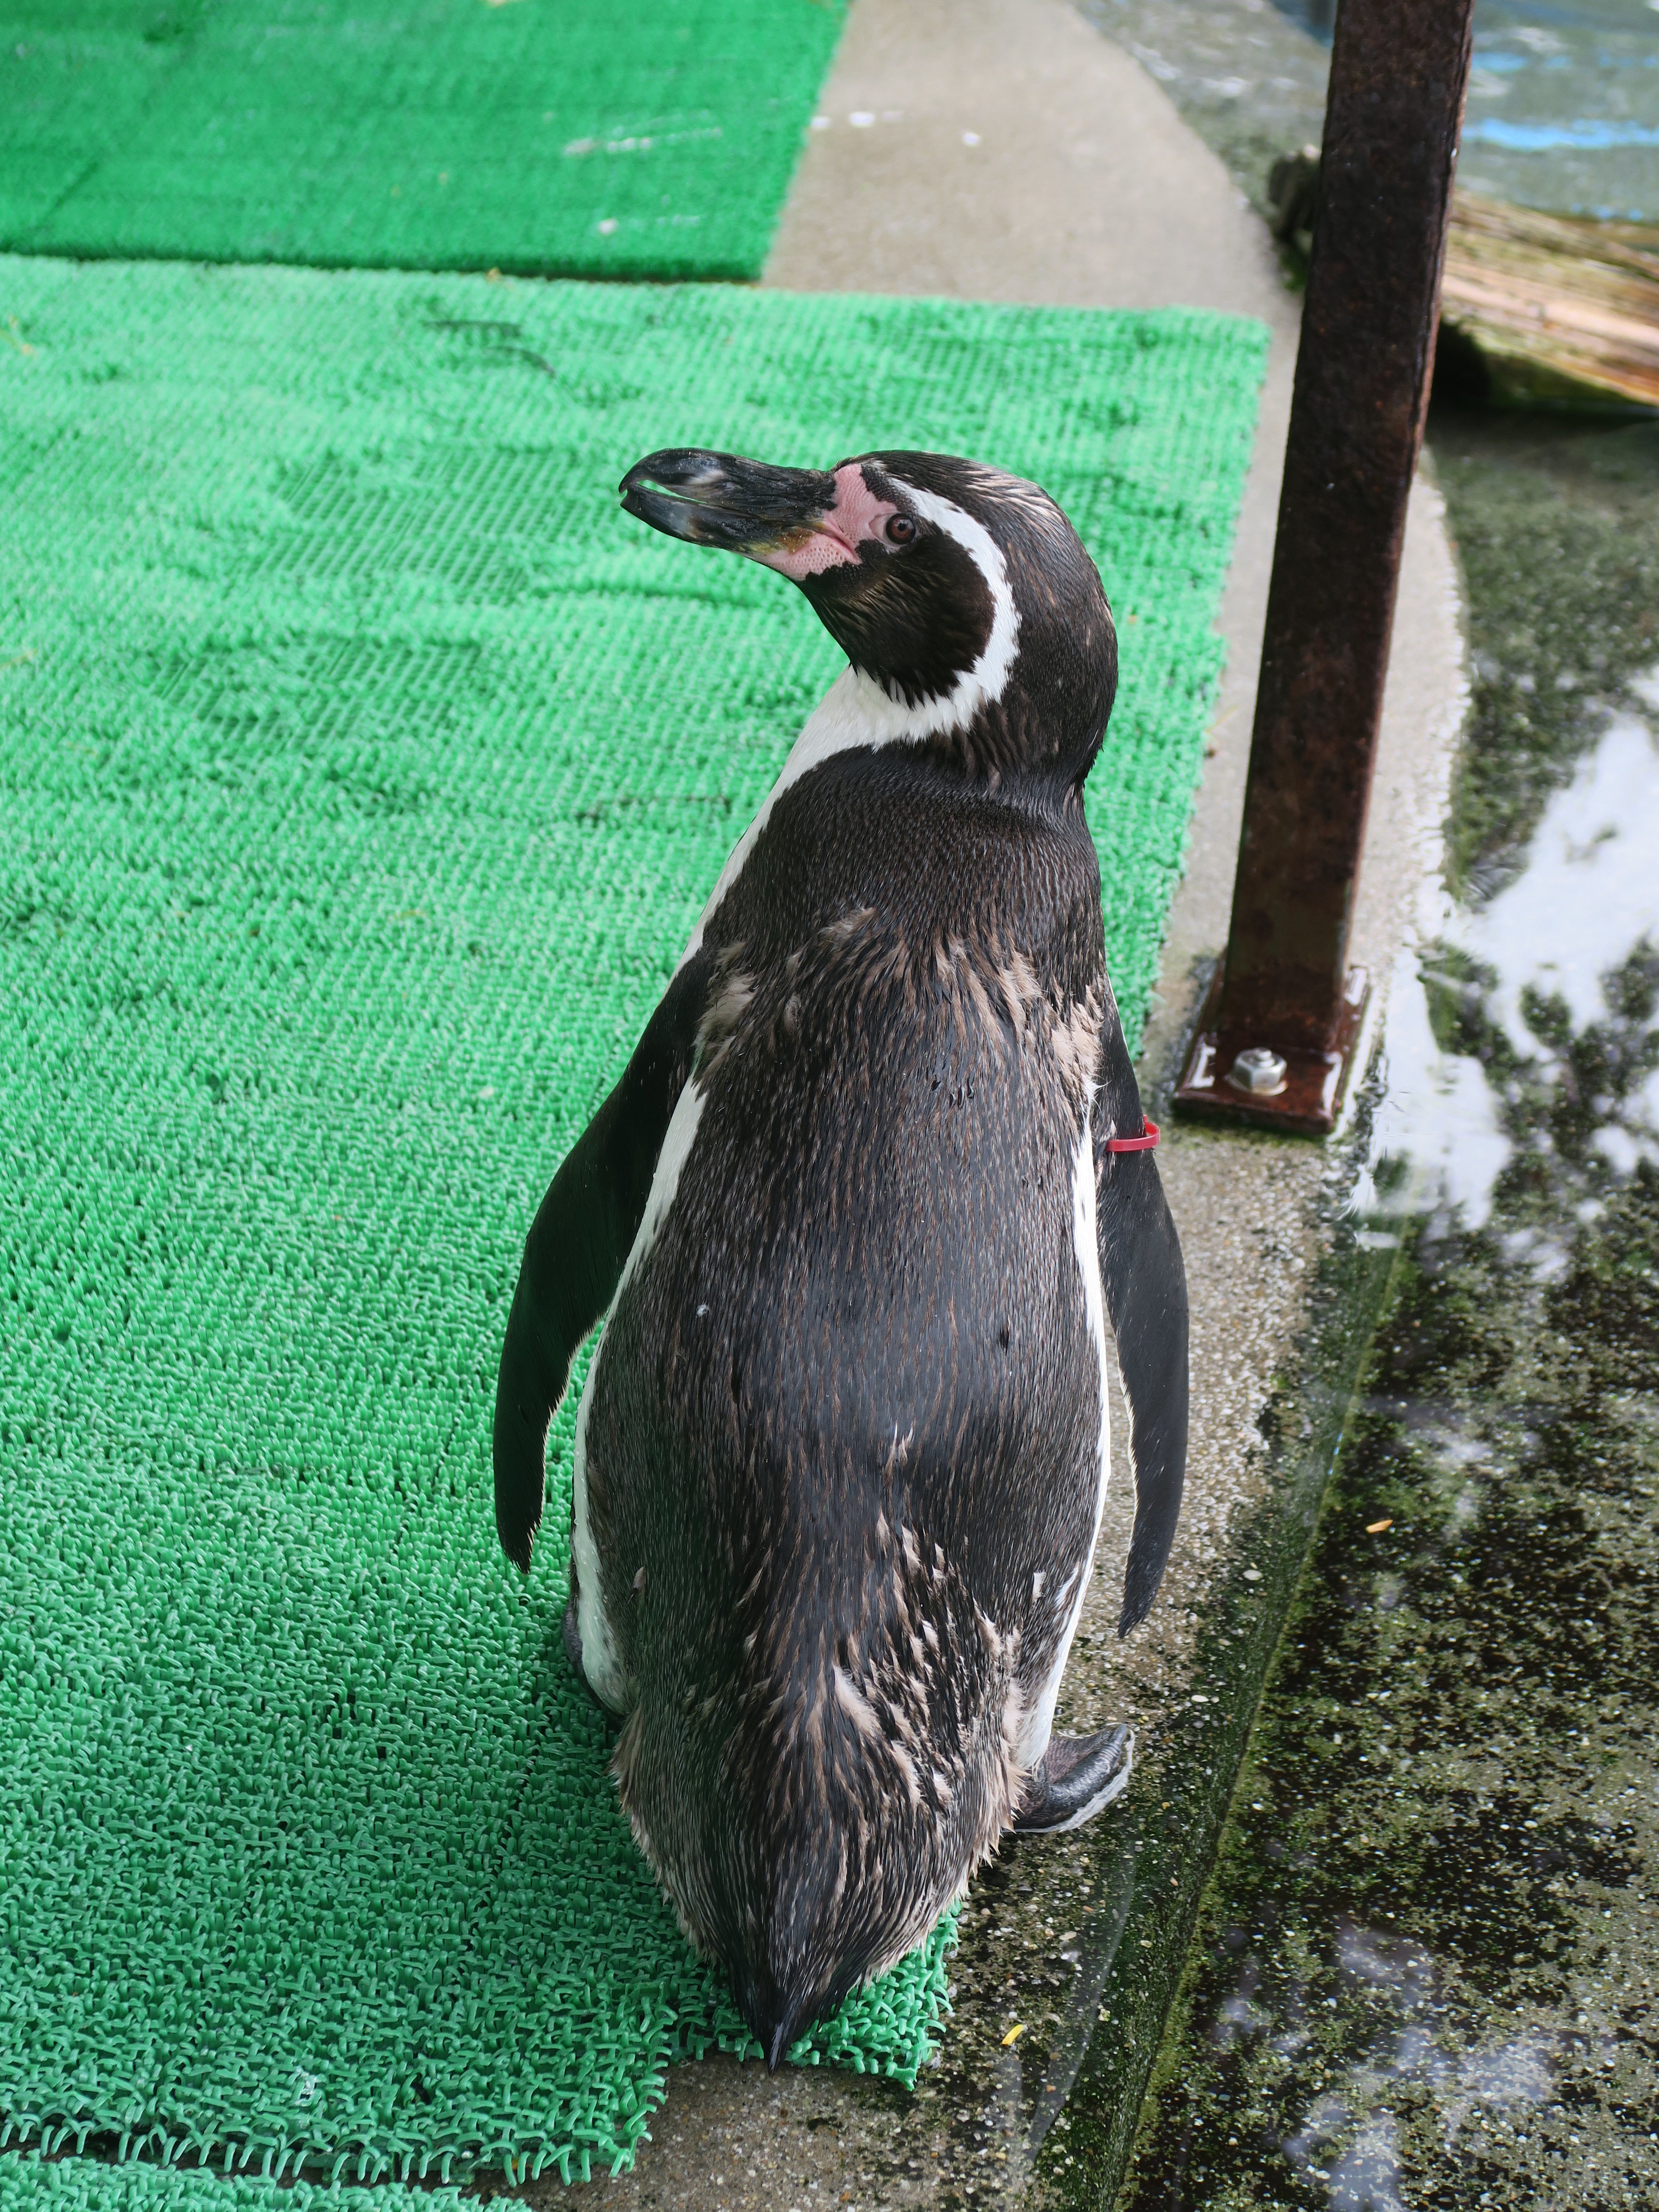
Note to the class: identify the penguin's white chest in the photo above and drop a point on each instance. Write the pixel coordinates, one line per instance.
(1030, 1720)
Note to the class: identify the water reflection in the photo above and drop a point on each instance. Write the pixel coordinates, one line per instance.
(1529, 1023)
(1348, 2139)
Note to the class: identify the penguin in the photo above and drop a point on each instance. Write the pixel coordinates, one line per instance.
(858, 1216)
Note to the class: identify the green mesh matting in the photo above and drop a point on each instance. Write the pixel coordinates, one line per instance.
(589, 137)
(363, 770)
(29, 2183)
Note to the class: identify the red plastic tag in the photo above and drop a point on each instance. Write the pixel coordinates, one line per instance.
(1146, 1144)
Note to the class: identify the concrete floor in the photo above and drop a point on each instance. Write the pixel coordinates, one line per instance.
(1004, 149)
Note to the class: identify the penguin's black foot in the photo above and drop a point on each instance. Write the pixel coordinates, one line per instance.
(1073, 1779)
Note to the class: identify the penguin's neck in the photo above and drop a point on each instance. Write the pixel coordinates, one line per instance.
(997, 746)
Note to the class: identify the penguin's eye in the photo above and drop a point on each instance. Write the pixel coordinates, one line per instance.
(900, 530)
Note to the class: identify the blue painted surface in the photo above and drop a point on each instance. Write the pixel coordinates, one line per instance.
(1551, 138)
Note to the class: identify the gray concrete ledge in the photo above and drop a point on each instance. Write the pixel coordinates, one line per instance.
(1015, 154)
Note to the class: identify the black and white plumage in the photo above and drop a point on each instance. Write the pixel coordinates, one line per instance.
(842, 1455)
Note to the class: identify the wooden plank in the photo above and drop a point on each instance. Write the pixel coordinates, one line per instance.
(1561, 307)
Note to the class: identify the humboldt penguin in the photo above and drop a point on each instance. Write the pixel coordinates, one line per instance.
(858, 1216)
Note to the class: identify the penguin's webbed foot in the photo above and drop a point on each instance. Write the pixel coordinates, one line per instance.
(1073, 1779)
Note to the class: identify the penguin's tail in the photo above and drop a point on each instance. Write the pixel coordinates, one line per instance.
(811, 1815)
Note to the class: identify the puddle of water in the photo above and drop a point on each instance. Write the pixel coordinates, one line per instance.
(1552, 968)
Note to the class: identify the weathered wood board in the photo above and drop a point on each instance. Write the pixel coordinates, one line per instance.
(1561, 307)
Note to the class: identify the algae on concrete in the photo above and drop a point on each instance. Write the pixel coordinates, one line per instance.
(1427, 1966)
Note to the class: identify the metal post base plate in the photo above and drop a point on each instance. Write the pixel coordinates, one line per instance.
(1310, 1097)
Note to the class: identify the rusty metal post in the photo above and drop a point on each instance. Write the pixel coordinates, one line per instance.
(1283, 994)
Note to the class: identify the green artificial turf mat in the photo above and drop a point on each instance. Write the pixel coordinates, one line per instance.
(580, 136)
(29, 2183)
(364, 770)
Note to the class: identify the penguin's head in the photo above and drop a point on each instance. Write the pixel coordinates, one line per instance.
(961, 595)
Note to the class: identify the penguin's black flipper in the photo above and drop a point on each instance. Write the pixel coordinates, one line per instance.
(576, 1248)
(1143, 1279)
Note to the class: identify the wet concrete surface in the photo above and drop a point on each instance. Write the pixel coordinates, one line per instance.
(1426, 1971)
(1248, 81)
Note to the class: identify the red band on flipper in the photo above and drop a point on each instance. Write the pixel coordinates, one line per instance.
(1146, 1144)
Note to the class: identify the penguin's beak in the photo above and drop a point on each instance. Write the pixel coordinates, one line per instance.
(742, 507)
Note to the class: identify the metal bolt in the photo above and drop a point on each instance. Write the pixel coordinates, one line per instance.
(1258, 1071)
